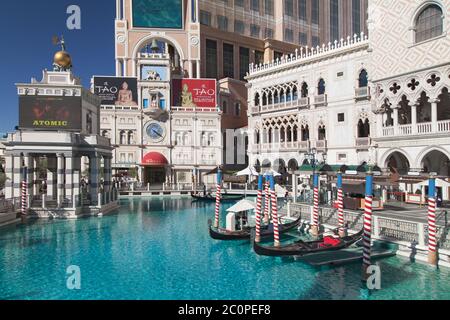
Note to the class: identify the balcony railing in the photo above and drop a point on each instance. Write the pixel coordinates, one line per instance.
(416, 129)
(321, 144)
(363, 143)
(320, 100)
(362, 93)
(283, 146)
(297, 103)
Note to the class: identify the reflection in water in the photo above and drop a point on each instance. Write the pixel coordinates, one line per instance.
(162, 250)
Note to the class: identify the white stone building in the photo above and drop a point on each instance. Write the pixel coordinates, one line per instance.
(381, 99)
(312, 99)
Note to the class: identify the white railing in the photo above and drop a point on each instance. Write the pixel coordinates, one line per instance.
(320, 100)
(388, 131)
(363, 92)
(443, 126)
(363, 142)
(424, 128)
(304, 102)
(405, 130)
(321, 144)
(305, 54)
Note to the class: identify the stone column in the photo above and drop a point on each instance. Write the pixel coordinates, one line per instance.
(107, 178)
(9, 172)
(191, 69)
(380, 124)
(395, 116)
(414, 118)
(94, 179)
(198, 69)
(35, 176)
(434, 117)
(60, 179)
(29, 164)
(69, 177)
(294, 187)
(17, 176)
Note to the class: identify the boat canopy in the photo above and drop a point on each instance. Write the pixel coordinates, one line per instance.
(242, 206)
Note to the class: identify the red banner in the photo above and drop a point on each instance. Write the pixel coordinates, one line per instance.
(194, 93)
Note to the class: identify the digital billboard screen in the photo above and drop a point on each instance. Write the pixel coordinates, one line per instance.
(164, 14)
(117, 91)
(194, 93)
(50, 113)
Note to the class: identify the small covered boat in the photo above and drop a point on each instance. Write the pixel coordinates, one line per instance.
(239, 226)
(210, 198)
(302, 248)
(246, 232)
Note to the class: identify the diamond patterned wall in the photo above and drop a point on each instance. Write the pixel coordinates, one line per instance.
(392, 38)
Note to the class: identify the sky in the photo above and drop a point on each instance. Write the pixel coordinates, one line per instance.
(26, 31)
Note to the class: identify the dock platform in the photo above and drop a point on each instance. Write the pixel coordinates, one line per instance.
(344, 256)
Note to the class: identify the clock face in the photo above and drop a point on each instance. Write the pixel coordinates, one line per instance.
(156, 132)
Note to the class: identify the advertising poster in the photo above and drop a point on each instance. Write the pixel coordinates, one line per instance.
(165, 14)
(116, 91)
(50, 113)
(194, 93)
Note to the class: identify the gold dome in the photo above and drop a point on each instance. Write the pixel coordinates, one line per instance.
(63, 59)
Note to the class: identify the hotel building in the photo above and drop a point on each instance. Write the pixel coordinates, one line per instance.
(205, 39)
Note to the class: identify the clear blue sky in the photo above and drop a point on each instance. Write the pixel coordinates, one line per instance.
(26, 30)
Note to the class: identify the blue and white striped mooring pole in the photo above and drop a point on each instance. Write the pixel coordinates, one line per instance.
(340, 201)
(432, 230)
(24, 204)
(218, 196)
(367, 235)
(315, 219)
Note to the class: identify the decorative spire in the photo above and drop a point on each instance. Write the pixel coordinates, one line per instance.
(62, 60)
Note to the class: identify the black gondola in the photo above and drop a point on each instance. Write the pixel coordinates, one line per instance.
(266, 231)
(210, 198)
(302, 248)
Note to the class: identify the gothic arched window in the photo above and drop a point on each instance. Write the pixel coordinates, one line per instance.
(321, 87)
(429, 23)
(363, 79)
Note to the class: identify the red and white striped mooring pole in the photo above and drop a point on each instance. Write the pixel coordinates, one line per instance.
(24, 204)
(267, 201)
(432, 230)
(315, 223)
(259, 209)
(367, 235)
(218, 196)
(276, 228)
(340, 201)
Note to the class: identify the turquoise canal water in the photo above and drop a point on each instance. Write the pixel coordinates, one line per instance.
(160, 249)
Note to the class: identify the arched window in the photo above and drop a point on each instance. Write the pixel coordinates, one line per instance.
(282, 96)
(264, 99)
(304, 90)
(321, 87)
(276, 97)
(295, 93)
(322, 134)
(288, 95)
(363, 79)
(123, 137)
(305, 133)
(363, 128)
(257, 137)
(130, 137)
(429, 23)
(225, 107)
(443, 107)
(257, 99)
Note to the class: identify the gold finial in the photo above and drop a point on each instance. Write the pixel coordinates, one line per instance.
(62, 60)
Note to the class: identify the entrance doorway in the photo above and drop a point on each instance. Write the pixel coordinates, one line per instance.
(155, 175)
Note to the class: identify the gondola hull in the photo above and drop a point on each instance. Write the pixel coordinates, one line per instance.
(302, 248)
(223, 199)
(246, 234)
